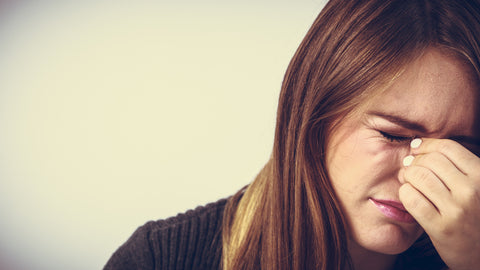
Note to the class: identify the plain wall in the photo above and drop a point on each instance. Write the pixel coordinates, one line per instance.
(113, 113)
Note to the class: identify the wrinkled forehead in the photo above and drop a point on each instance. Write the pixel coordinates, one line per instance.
(438, 90)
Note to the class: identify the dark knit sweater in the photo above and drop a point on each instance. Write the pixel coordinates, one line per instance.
(194, 241)
(188, 241)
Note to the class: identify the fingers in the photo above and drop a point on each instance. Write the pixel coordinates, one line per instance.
(424, 212)
(464, 160)
(429, 185)
(432, 170)
(452, 164)
(442, 192)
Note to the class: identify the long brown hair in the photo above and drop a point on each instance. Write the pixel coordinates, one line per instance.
(289, 217)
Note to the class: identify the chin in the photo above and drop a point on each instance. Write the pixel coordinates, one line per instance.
(391, 239)
(390, 249)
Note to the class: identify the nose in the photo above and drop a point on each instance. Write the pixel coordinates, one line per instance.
(401, 168)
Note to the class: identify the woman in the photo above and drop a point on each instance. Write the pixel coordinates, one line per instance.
(373, 165)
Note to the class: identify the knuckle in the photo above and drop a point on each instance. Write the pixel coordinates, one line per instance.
(447, 146)
(449, 226)
(433, 157)
(419, 159)
(458, 214)
(419, 175)
(471, 195)
(447, 229)
(423, 175)
(410, 199)
(427, 158)
(444, 145)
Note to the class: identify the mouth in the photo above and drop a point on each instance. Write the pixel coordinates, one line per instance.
(393, 210)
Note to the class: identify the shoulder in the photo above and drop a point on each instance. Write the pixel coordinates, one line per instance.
(208, 213)
(191, 240)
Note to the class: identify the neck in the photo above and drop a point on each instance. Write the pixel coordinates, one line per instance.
(363, 259)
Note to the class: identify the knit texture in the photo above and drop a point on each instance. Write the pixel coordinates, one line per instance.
(193, 240)
(187, 241)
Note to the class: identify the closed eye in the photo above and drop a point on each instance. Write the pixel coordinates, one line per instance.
(395, 138)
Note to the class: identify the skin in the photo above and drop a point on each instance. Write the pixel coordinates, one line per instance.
(440, 189)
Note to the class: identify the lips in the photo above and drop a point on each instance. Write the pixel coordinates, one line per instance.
(395, 204)
(393, 210)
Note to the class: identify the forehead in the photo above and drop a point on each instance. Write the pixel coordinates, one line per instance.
(435, 90)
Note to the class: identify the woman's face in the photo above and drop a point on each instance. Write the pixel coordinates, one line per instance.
(433, 98)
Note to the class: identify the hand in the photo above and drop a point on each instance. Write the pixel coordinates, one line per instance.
(442, 192)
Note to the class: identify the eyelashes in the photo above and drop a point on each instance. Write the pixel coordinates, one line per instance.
(396, 138)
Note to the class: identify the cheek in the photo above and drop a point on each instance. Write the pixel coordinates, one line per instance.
(388, 154)
(359, 157)
(365, 150)
(361, 163)
(384, 160)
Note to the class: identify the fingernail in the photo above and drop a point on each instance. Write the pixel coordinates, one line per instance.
(407, 161)
(415, 143)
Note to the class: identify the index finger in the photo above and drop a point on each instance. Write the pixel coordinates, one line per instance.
(466, 161)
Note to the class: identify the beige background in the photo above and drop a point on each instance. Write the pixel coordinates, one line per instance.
(113, 113)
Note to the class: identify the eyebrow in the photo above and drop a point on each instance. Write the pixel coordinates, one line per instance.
(412, 125)
(400, 121)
